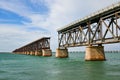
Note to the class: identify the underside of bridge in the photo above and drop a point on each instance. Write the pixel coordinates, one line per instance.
(40, 47)
(102, 27)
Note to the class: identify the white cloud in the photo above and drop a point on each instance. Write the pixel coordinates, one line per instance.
(14, 37)
(64, 12)
(15, 6)
(60, 13)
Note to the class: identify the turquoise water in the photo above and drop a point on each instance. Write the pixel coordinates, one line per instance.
(26, 67)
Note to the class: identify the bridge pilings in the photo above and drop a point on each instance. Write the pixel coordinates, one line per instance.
(46, 52)
(95, 53)
(61, 53)
(38, 53)
(28, 52)
(31, 53)
(40, 47)
(43, 52)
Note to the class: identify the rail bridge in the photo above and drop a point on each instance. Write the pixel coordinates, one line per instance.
(40, 47)
(101, 27)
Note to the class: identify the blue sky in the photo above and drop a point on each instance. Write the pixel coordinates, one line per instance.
(8, 17)
(23, 21)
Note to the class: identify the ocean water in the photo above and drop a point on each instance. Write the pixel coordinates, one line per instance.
(26, 67)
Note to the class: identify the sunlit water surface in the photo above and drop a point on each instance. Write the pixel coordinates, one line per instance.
(26, 67)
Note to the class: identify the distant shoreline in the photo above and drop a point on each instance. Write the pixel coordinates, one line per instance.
(5, 52)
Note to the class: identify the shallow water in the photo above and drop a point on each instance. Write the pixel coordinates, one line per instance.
(26, 67)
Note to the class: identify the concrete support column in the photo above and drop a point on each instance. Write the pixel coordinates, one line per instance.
(46, 52)
(61, 53)
(38, 53)
(25, 52)
(28, 52)
(31, 52)
(95, 53)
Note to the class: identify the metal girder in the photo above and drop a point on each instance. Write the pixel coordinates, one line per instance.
(43, 43)
(106, 30)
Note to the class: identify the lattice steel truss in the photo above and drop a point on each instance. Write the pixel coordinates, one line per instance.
(103, 30)
(43, 43)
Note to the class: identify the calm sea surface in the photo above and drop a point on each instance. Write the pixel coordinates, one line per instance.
(26, 67)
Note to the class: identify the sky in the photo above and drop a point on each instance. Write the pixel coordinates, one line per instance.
(23, 21)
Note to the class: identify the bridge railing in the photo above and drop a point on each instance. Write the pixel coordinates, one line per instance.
(103, 31)
(43, 43)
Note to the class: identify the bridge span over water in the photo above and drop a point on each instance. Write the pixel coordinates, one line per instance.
(40, 47)
(101, 27)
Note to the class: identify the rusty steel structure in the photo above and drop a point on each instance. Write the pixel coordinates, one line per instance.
(38, 45)
(102, 27)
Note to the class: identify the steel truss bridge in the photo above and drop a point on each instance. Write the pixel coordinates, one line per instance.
(102, 27)
(35, 46)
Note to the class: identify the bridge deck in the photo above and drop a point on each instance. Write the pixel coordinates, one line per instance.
(38, 40)
(42, 43)
(93, 17)
(101, 27)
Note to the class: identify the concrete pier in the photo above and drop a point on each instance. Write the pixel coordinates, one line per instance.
(46, 52)
(38, 53)
(61, 53)
(25, 52)
(28, 52)
(32, 53)
(40, 47)
(95, 53)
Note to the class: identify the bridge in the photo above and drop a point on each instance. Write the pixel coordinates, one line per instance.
(101, 27)
(40, 47)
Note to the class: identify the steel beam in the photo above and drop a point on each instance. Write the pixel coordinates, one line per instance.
(38, 45)
(105, 30)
